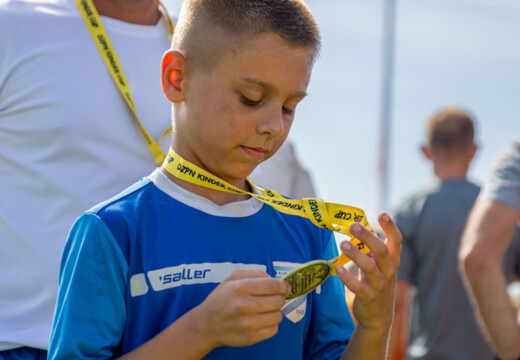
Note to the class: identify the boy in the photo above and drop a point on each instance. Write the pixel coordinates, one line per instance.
(171, 269)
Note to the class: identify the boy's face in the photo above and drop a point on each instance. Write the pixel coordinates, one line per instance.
(238, 114)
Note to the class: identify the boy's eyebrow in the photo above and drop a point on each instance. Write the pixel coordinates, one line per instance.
(269, 88)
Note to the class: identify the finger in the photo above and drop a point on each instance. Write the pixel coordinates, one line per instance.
(261, 321)
(267, 332)
(260, 304)
(262, 286)
(353, 283)
(378, 248)
(261, 334)
(352, 267)
(367, 265)
(393, 237)
(246, 274)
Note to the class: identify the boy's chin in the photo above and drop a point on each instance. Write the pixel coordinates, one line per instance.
(241, 174)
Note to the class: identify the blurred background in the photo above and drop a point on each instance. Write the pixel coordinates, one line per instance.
(446, 52)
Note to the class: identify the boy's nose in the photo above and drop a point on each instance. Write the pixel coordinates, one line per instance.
(272, 124)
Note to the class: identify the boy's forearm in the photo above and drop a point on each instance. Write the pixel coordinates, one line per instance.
(242, 310)
(367, 344)
(180, 341)
(375, 290)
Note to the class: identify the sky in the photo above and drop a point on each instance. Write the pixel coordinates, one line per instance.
(447, 52)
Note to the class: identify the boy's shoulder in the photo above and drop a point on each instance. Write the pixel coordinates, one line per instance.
(123, 201)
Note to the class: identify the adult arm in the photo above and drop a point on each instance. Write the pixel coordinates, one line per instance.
(485, 240)
(374, 288)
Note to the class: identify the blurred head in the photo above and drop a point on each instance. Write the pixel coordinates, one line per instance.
(450, 142)
(235, 73)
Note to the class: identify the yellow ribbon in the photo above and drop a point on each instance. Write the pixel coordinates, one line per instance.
(335, 217)
(99, 35)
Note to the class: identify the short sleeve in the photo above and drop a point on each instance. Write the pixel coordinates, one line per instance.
(335, 325)
(511, 261)
(90, 313)
(503, 184)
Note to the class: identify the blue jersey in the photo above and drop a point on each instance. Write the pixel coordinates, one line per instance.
(135, 264)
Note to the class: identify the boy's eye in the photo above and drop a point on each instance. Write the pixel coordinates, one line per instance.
(249, 102)
(287, 111)
(252, 103)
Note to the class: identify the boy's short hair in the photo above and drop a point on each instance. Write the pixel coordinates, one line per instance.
(205, 25)
(450, 129)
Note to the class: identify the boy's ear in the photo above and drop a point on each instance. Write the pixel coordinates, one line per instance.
(472, 151)
(427, 152)
(173, 72)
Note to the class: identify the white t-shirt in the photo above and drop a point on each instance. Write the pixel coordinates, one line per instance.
(67, 142)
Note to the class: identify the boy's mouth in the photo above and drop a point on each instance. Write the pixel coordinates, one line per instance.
(258, 153)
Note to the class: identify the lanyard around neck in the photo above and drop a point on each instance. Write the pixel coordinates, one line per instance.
(335, 217)
(99, 35)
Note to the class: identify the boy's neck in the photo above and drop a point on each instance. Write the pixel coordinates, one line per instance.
(216, 196)
(452, 165)
(450, 178)
(451, 171)
(142, 12)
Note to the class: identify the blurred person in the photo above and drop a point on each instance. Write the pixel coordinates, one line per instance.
(68, 139)
(285, 174)
(441, 324)
(485, 243)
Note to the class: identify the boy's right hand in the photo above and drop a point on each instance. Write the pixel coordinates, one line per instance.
(244, 309)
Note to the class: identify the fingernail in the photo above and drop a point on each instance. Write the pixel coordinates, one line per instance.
(346, 246)
(385, 217)
(355, 228)
(340, 270)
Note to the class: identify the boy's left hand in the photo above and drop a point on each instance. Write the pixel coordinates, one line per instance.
(374, 285)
